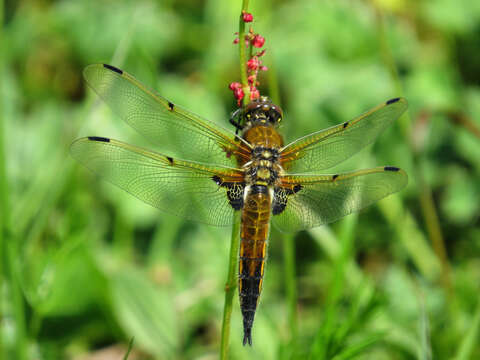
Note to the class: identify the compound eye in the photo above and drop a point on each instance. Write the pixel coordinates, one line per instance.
(279, 112)
(274, 116)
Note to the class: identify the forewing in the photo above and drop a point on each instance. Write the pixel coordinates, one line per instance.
(329, 147)
(182, 188)
(322, 199)
(173, 129)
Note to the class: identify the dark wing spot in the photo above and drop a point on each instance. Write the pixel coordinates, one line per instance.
(217, 179)
(170, 106)
(170, 160)
(345, 124)
(392, 101)
(334, 177)
(297, 188)
(98, 138)
(113, 68)
(390, 168)
(235, 194)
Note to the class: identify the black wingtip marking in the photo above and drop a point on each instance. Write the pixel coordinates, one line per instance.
(170, 106)
(392, 101)
(334, 177)
(345, 124)
(391, 168)
(98, 138)
(170, 160)
(113, 68)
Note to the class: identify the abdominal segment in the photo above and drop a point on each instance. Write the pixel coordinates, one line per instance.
(254, 234)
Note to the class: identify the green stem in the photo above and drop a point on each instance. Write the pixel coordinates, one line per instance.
(3, 191)
(9, 282)
(3, 177)
(235, 241)
(469, 343)
(336, 289)
(243, 55)
(290, 283)
(129, 349)
(8, 279)
(230, 286)
(4, 213)
(18, 306)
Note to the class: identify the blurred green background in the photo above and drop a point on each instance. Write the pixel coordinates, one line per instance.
(85, 267)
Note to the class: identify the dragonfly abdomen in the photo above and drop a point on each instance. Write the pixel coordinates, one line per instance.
(253, 246)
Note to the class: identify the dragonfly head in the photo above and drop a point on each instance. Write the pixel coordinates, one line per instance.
(262, 110)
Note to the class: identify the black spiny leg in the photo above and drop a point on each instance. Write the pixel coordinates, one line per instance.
(235, 119)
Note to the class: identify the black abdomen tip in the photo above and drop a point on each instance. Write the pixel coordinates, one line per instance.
(247, 337)
(390, 168)
(392, 101)
(98, 138)
(113, 68)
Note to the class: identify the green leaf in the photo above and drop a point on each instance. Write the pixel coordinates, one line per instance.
(145, 312)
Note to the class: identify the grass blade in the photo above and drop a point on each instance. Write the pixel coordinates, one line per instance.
(230, 286)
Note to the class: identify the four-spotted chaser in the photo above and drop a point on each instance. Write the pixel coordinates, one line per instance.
(216, 172)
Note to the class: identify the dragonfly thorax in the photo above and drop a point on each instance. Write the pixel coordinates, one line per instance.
(264, 168)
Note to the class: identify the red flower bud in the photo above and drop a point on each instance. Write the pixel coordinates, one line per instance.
(263, 68)
(254, 93)
(258, 41)
(252, 64)
(238, 93)
(247, 17)
(234, 85)
(235, 41)
(251, 79)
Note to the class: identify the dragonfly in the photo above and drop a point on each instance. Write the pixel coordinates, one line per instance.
(216, 173)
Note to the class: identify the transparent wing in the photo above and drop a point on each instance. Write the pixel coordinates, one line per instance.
(329, 147)
(173, 129)
(182, 188)
(322, 199)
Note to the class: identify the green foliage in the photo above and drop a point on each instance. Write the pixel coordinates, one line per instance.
(85, 268)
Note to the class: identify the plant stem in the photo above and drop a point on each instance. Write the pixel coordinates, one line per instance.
(290, 283)
(130, 345)
(3, 175)
(243, 56)
(230, 286)
(326, 333)
(3, 191)
(9, 279)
